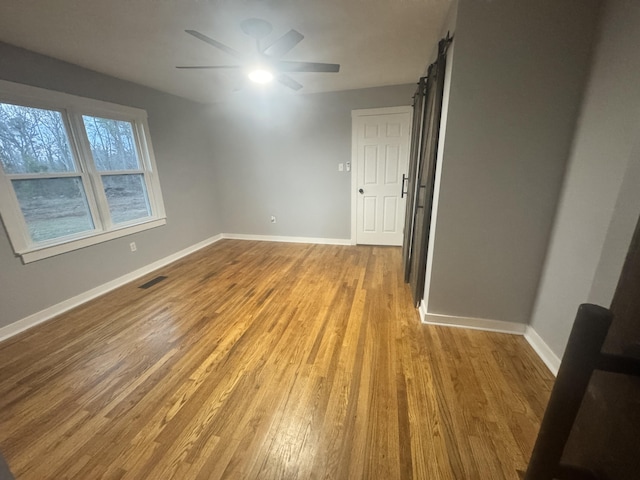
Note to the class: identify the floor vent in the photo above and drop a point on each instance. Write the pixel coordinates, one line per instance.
(151, 283)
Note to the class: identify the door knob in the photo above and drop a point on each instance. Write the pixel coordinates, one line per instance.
(361, 191)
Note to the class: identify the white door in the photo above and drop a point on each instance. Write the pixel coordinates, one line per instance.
(381, 151)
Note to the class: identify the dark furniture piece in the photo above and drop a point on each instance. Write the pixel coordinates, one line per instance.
(583, 357)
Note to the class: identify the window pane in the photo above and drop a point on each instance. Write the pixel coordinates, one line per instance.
(112, 144)
(33, 140)
(127, 197)
(53, 207)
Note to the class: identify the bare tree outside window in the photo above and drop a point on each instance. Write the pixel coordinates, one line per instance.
(74, 171)
(114, 150)
(34, 143)
(112, 144)
(33, 140)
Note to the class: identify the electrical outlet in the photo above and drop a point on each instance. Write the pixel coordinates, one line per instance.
(133, 247)
(273, 219)
(340, 167)
(348, 166)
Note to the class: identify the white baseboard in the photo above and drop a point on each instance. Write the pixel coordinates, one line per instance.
(545, 353)
(285, 239)
(422, 311)
(55, 310)
(470, 322)
(550, 359)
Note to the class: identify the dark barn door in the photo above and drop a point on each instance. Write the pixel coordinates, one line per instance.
(417, 231)
(419, 111)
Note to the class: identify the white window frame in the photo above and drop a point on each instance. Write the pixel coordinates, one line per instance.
(72, 109)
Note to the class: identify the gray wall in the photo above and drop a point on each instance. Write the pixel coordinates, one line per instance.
(179, 135)
(279, 156)
(226, 168)
(448, 27)
(601, 199)
(517, 80)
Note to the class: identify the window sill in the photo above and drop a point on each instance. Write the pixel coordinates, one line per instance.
(50, 251)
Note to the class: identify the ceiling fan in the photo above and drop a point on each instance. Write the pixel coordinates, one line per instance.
(266, 63)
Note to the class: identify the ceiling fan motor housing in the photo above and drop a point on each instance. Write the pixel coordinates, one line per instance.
(256, 28)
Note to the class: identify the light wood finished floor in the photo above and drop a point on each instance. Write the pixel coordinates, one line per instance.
(267, 361)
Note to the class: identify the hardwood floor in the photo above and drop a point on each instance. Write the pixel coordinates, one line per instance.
(267, 361)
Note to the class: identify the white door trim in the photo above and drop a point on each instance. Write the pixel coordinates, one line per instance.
(356, 115)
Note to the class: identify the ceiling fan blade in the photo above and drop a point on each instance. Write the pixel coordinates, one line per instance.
(289, 82)
(208, 67)
(284, 44)
(307, 67)
(215, 43)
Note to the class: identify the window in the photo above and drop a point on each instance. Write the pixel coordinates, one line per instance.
(73, 171)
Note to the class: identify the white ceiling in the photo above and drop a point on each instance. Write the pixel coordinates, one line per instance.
(377, 42)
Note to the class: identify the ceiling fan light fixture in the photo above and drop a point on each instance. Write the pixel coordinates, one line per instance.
(260, 75)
